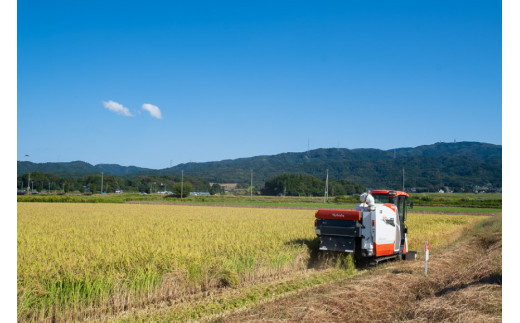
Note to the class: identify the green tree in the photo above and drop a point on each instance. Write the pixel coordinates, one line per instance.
(217, 188)
(186, 188)
(303, 185)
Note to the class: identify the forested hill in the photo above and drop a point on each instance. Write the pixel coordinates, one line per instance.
(431, 166)
(79, 168)
(461, 164)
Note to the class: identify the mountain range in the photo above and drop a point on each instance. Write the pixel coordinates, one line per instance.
(457, 164)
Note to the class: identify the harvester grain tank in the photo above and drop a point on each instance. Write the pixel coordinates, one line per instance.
(374, 230)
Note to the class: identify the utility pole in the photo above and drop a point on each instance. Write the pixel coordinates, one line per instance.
(403, 179)
(101, 182)
(29, 180)
(251, 184)
(326, 187)
(182, 182)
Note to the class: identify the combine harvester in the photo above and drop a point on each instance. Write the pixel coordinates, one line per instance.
(374, 231)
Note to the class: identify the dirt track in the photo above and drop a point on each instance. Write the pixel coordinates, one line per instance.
(460, 287)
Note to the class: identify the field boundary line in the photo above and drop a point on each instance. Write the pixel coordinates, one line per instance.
(296, 207)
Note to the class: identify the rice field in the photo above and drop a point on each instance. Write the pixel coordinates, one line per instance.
(76, 260)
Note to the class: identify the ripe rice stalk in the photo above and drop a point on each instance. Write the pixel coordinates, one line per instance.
(80, 260)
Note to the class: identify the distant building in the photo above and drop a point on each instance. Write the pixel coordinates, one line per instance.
(226, 186)
(199, 193)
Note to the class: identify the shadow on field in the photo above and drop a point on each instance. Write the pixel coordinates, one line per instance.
(492, 279)
(320, 259)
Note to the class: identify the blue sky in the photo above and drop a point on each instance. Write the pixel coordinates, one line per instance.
(237, 79)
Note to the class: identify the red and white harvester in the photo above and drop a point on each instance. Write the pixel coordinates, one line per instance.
(374, 230)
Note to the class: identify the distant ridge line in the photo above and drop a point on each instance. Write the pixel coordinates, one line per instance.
(439, 163)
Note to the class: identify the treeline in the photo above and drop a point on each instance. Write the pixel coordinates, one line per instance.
(288, 184)
(92, 183)
(307, 185)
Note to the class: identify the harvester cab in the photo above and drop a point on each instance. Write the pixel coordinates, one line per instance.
(375, 229)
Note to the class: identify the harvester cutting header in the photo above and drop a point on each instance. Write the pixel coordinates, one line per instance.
(374, 229)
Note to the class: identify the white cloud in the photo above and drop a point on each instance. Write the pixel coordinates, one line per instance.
(117, 108)
(154, 110)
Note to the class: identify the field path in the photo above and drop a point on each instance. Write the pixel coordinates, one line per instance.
(460, 287)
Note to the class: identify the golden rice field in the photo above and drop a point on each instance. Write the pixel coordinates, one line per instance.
(75, 259)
